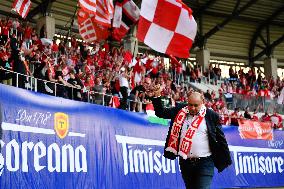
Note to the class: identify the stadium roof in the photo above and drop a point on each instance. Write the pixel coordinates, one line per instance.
(240, 30)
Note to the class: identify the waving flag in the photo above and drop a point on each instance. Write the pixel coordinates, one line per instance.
(117, 15)
(167, 27)
(104, 12)
(89, 6)
(101, 10)
(89, 29)
(119, 33)
(126, 13)
(131, 10)
(21, 7)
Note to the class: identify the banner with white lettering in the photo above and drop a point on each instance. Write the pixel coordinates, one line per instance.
(51, 142)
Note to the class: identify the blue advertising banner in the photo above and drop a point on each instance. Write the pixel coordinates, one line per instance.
(50, 142)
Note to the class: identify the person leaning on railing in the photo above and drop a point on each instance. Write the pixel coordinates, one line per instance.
(74, 92)
(235, 116)
(5, 63)
(137, 95)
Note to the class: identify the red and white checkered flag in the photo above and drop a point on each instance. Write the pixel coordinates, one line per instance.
(167, 26)
(21, 7)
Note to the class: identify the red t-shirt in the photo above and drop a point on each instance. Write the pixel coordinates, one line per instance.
(28, 32)
(51, 71)
(255, 117)
(54, 47)
(5, 30)
(265, 118)
(73, 43)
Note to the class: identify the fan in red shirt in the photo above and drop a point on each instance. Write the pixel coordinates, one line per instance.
(265, 117)
(224, 116)
(220, 103)
(235, 116)
(74, 43)
(54, 46)
(28, 32)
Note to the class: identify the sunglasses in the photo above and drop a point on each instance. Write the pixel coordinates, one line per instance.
(194, 105)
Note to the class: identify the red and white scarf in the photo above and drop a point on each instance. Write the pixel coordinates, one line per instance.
(186, 140)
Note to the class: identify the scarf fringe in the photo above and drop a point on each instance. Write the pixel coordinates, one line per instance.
(183, 155)
(170, 149)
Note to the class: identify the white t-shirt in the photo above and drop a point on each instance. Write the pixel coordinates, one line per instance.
(123, 82)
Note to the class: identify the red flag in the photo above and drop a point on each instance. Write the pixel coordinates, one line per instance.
(89, 6)
(172, 22)
(150, 110)
(123, 21)
(255, 130)
(127, 56)
(114, 102)
(21, 7)
(174, 61)
(117, 15)
(119, 33)
(89, 29)
(101, 10)
(103, 15)
(148, 64)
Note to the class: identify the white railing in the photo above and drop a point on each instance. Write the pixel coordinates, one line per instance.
(31, 83)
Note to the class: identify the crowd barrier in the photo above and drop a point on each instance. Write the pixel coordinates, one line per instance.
(50, 142)
(48, 87)
(262, 104)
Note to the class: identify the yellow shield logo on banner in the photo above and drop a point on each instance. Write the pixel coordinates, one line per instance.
(61, 124)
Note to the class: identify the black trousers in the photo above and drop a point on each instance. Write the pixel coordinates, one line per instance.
(123, 102)
(197, 174)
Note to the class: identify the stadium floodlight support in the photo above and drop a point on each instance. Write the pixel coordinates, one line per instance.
(35, 1)
(201, 40)
(268, 49)
(199, 14)
(202, 8)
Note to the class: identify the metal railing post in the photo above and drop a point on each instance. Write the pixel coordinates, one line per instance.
(88, 93)
(103, 99)
(55, 89)
(17, 79)
(72, 93)
(140, 106)
(35, 79)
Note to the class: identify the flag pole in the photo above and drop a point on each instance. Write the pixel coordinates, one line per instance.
(71, 25)
(134, 48)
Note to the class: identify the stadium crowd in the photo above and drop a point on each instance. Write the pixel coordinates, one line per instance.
(111, 76)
